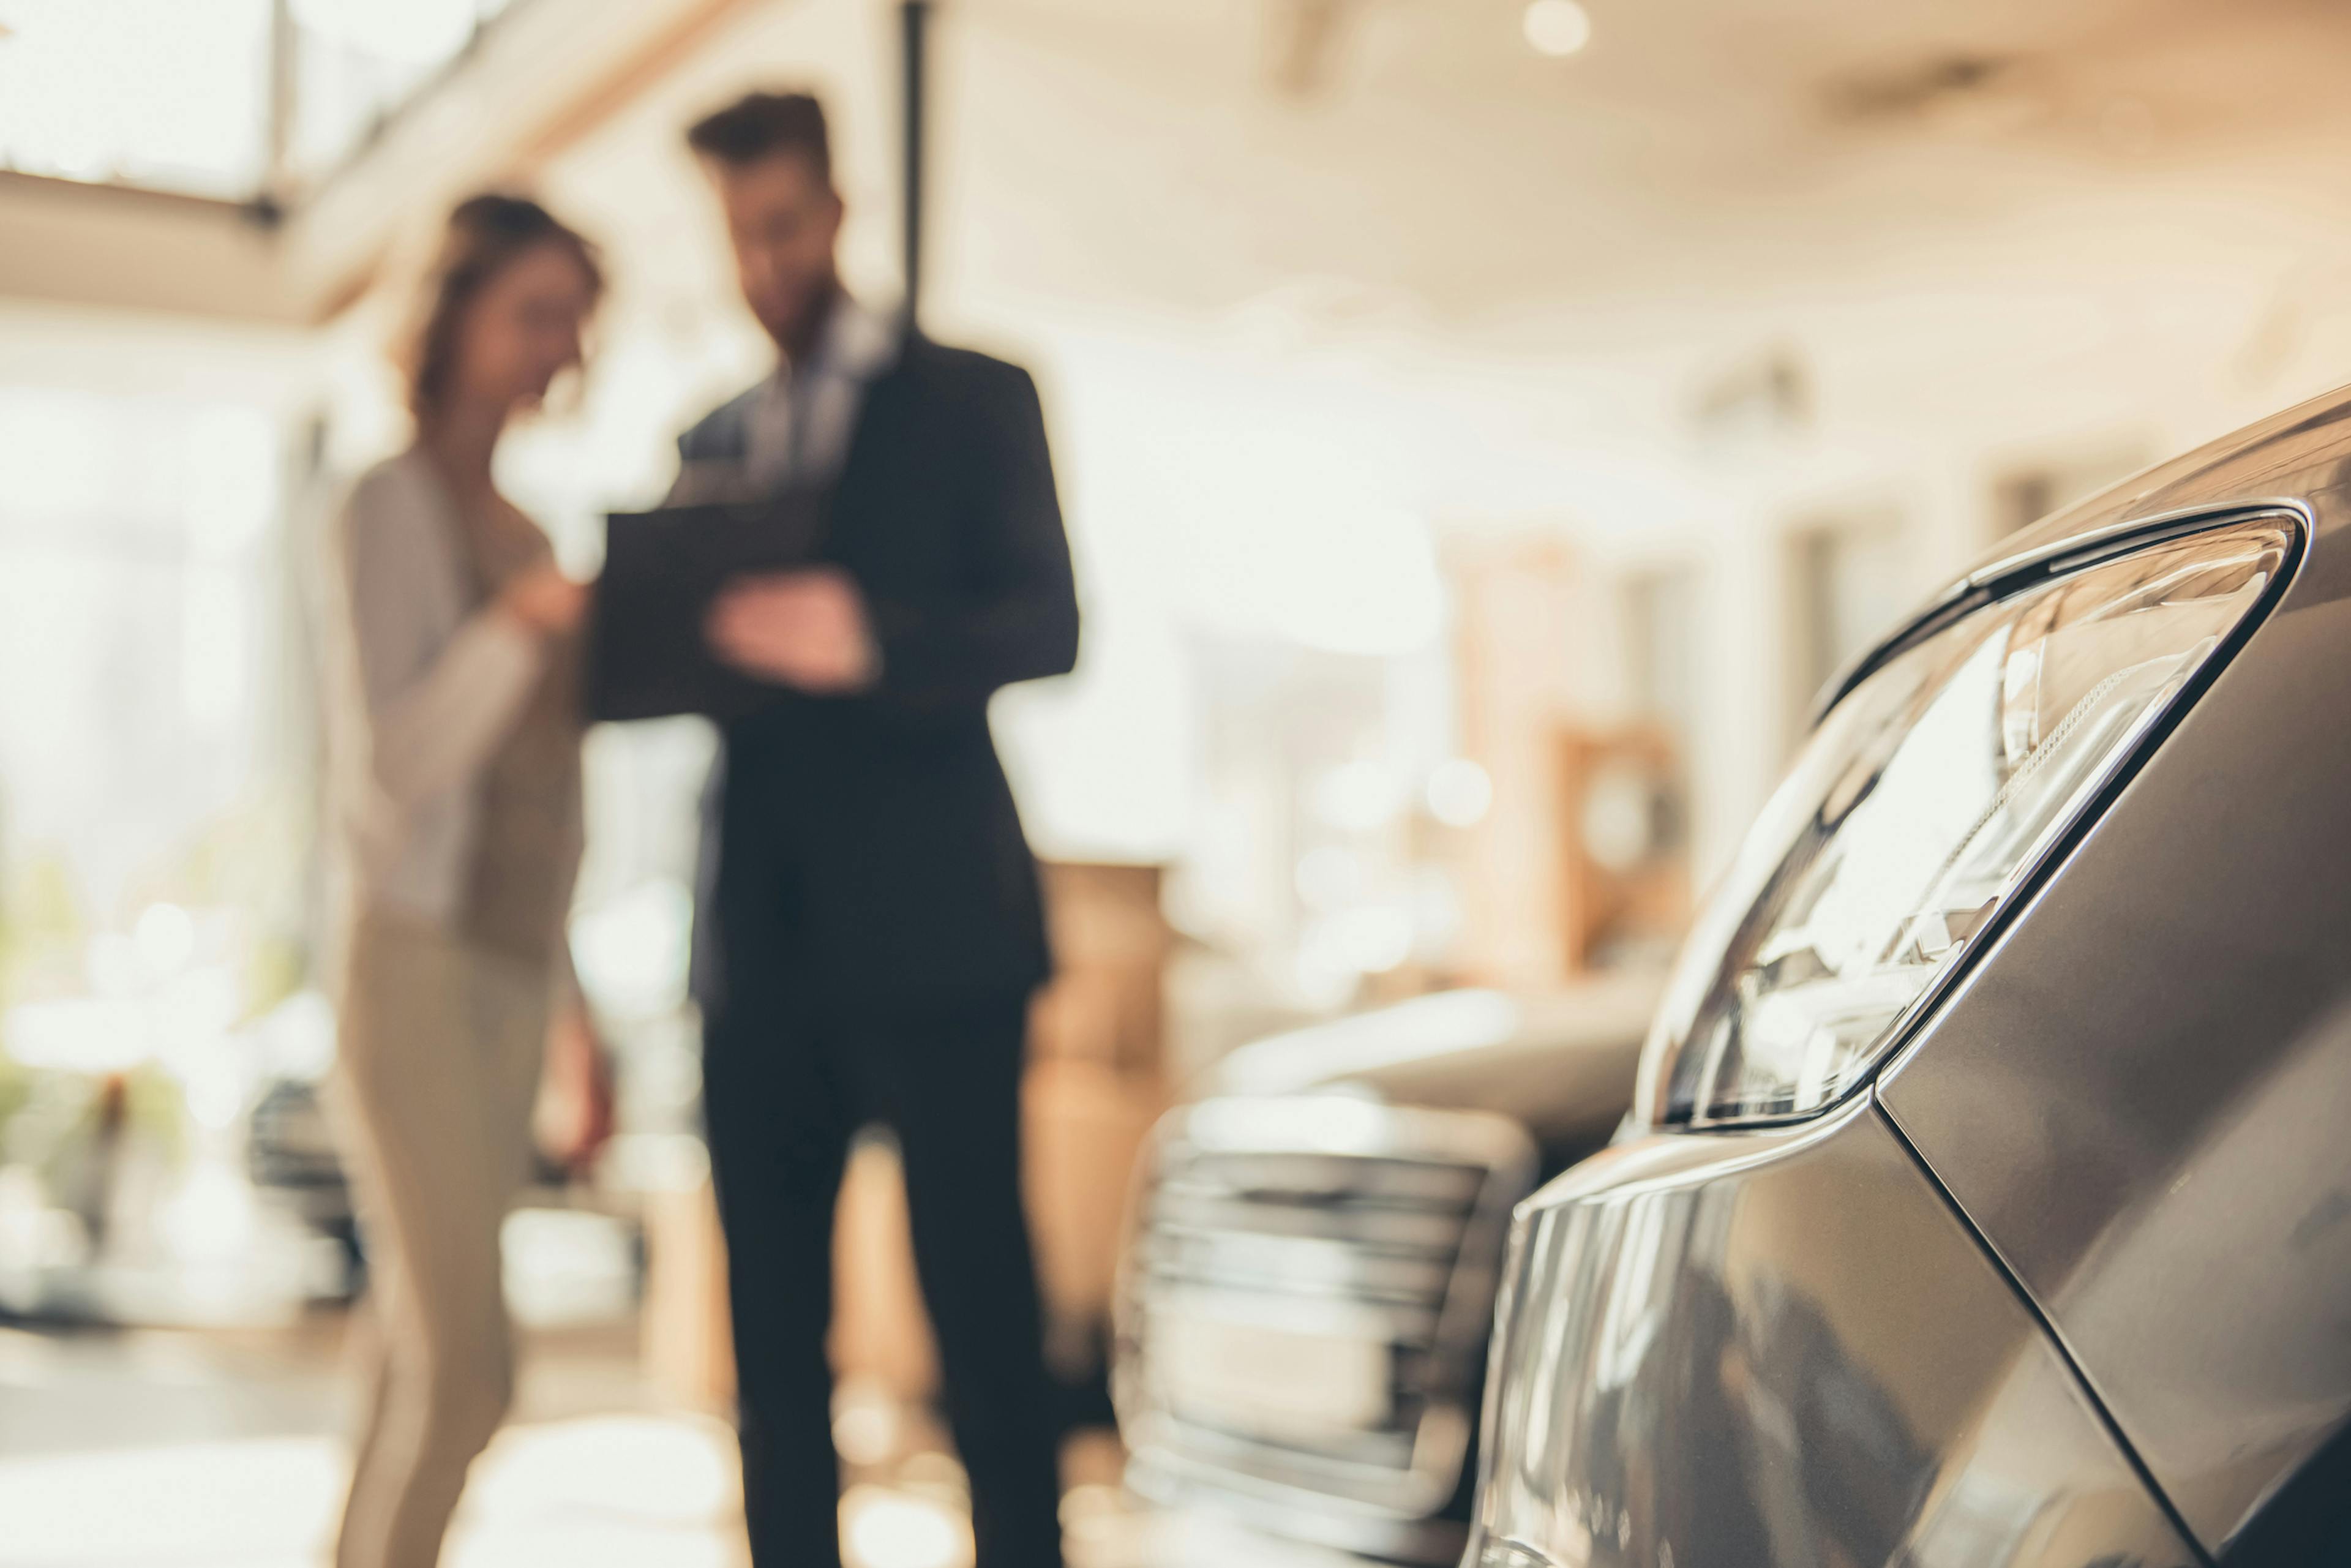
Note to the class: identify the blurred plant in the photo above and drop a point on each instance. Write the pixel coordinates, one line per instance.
(156, 1109)
(255, 859)
(15, 1090)
(58, 1111)
(41, 937)
(43, 931)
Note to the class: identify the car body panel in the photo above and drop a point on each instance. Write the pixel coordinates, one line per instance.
(2137, 1095)
(2294, 452)
(2069, 1283)
(1782, 1347)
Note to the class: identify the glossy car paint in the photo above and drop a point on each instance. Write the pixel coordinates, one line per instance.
(1783, 1347)
(2139, 1095)
(2071, 1284)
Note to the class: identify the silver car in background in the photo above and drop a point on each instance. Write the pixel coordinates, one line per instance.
(1986, 1199)
(1309, 1286)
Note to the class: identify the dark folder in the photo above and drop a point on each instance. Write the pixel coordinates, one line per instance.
(647, 657)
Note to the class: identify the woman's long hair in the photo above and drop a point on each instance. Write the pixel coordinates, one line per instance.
(486, 235)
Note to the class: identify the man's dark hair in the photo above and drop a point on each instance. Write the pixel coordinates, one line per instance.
(761, 125)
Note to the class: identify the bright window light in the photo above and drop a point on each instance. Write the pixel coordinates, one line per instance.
(415, 32)
(152, 93)
(357, 61)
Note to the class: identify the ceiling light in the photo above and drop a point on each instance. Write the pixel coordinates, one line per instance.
(1557, 27)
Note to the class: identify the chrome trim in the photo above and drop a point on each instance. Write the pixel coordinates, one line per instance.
(2091, 542)
(2034, 875)
(1434, 1292)
(2070, 553)
(1302, 1516)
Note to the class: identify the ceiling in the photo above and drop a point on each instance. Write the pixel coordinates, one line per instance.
(1357, 157)
(1571, 255)
(1997, 182)
(1437, 155)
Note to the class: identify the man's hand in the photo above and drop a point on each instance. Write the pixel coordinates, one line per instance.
(801, 629)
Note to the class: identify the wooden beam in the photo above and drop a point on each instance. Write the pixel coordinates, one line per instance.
(16, 183)
(116, 248)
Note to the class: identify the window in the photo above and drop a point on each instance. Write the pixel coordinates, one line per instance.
(357, 61)
(185, 95)
(152, 763)
(163, 93)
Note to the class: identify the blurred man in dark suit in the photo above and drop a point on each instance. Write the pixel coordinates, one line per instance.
(869, 929)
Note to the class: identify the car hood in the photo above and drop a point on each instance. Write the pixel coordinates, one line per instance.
(1561, 1062)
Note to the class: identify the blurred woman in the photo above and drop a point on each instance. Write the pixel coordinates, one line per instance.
(457, 743)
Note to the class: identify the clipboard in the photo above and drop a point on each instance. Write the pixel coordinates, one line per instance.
(647, 653)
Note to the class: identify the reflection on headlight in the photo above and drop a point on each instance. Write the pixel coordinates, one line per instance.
(1922, 803)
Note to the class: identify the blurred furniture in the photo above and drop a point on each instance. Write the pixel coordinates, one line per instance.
(1520, 605)
(1626, 860)
(1580, 861)
(1096, 1081)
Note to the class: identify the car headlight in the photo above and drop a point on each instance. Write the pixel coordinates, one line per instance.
(1918, 807)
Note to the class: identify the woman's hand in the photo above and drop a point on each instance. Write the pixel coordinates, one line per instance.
(544, 600)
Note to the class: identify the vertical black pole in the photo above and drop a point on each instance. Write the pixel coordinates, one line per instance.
(915, 16)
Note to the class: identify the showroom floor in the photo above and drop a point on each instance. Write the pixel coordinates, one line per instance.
(212, 1449)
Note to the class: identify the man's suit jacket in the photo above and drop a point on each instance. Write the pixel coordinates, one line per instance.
(869, 843)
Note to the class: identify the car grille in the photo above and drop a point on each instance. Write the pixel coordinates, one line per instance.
(1320, 1223)
(289, 1143)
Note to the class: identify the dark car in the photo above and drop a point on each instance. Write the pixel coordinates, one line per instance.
(1986, 1195)
(1310, 1281)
